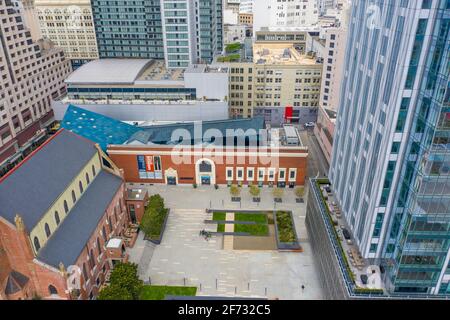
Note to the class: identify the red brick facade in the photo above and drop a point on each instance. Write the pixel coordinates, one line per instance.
(292, 158)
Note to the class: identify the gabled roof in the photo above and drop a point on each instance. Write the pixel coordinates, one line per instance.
(96, 127)
(31, 188)
(67, 242)
(15, 282)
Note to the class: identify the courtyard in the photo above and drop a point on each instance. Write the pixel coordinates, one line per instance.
(184, 258)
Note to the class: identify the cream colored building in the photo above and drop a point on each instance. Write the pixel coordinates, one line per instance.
(69, 24)
(280, 76)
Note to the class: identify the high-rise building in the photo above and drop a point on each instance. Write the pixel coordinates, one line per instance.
(181, 32)
(69, 24)
(291, 14)
(128, 29)
(390, 169)
(31, 76)
(324, 5)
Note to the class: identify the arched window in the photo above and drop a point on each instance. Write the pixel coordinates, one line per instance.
(115, 214)
(91, 259)
(57, 220)
(52, 289)
(87, 178)
(80, 184)
(93, 170)
(85, 274)
(37, 245)
(104, 234)
(99, 247)
(110, 224)
(66, 207)
(47, 230)
(74, 197)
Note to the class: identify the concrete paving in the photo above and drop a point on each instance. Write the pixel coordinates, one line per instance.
(185, 258)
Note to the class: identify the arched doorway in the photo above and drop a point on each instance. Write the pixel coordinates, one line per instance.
(205, 172)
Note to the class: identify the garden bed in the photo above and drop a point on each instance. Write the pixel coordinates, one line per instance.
(161, 292)
(154, 220)
(285, 231)
(251, 223)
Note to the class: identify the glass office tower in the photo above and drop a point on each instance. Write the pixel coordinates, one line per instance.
(391, 156)
(128, 29)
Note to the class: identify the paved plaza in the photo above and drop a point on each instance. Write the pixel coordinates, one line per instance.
(185, 258)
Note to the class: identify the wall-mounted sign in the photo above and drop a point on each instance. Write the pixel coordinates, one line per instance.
(149, 167)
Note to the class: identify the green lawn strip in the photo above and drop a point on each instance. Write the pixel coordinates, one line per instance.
(160, 292)
(256, 217)
(253, 229)
(219, 216)
(220, 228)
(285, 227)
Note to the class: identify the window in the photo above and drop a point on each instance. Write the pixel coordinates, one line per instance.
(66, 207)
(229, 174)
(47, 230)
(52, 289)
(37, 245)
(74, 197)
(91, 259)
(292, 174)
(57, 220)
(240, 174)
(271, 174)
(87, 178)
(250, 174)
(261, 173)
(85, 274)
(99, 247)
(80, 185)
(282, 174)
(93, 171)
(105, 238)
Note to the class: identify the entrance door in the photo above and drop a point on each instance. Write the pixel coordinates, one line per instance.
(171, 181)
(206, 180)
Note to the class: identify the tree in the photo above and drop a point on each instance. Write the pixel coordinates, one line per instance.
(235, 191)
(125, 277)
(114, 292)
(156, 201)
(255, 191)
(277, 193)
(300, 192)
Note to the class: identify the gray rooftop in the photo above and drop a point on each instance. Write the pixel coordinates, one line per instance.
(32, 187)
(103, 71)
(68, 241)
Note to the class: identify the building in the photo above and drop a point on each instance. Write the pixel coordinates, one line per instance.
(128, 29)
(292, 14)
(31, 76)
(180, 32)
(325, 5)
(55, 233)
(246, 6)
(30, 19)
(245, 18)
(223, 152)
(324, 131)
(390, 162)
(236, 33)
(69, 25)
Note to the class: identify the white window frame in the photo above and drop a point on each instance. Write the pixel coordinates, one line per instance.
(263, 170)
(252, 170)
(269, 171)
(232, 173)
(295, 175)
(240, 169)
(279, 174)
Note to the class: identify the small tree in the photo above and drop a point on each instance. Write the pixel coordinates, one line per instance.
(125, 277)
(157, 202)
(255, 191)
(114, 292)
(235, 191)
(277, 193)
(300, 192)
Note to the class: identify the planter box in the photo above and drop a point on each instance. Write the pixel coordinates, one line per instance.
(257, 200)
(163, 227)
(299, 200)
(286, 245)
(278, 200)
(235, 199)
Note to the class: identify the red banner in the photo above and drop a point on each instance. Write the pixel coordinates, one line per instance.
(149, 164)
(288, 112)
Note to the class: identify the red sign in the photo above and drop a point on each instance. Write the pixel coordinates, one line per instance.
(149, 163)
(288, 112)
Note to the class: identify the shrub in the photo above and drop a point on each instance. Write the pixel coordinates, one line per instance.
(154, 216)
(285, 227)
(277, 192)
(125, 283)
(255, 191)
(234, 190)
(232, 47)
(300, 192)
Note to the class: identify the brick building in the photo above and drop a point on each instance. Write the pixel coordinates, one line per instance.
(237, 151)
(61, 219)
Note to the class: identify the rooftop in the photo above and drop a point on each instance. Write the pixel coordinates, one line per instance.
(103, 71)
(156, 71)
(203, 68)
(136, 194)
(43, 176)
(280, 54)
(68, 241)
